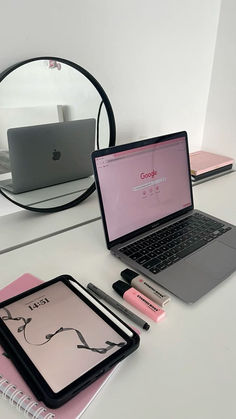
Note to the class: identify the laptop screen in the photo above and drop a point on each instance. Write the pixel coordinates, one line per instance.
(141, 185)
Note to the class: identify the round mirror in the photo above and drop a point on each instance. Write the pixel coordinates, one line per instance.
(53, 114)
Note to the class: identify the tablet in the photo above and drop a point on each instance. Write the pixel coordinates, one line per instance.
(61, 339)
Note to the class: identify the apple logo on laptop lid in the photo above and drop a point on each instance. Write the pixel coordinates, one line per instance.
(56, 155)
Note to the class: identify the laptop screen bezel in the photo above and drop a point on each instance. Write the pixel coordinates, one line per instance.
(130, 146)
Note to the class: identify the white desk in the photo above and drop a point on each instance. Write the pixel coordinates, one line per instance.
(185, 367)
(24, 227)
(47, 197)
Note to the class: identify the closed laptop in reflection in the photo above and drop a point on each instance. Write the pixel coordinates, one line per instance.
(49, 154)
(149, 219)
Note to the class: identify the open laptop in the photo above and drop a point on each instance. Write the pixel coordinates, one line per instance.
(49, 154)
(146, 202)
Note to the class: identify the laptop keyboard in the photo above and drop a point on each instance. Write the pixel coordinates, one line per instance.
(165, 247)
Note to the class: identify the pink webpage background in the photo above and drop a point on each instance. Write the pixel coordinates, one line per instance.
(127, 210)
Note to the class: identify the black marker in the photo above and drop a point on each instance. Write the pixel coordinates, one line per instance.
(99, 293)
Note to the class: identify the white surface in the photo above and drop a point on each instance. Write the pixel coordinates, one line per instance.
(26, 116)
(220, 126)
(7, 207)
(51, 196)
(25, 226)
(185, 367)
(153, 60)
(217, 197)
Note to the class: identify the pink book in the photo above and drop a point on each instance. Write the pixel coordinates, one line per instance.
(203, 161)
(15, 390)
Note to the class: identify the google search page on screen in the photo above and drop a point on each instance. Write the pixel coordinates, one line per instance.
(142, 185)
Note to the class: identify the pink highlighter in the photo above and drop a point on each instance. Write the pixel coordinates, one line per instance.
(138, 300)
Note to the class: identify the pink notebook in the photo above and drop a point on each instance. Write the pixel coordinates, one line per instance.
(203, 161)
(15, 390)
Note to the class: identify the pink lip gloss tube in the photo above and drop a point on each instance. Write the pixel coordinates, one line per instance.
(138, 300)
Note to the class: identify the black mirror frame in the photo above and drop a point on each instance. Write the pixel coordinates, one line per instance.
(111, 119)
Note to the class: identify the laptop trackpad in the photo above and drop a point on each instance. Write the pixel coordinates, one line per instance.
(217, 259)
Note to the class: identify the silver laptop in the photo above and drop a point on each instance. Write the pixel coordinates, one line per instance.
(49, 154)
(146, 202)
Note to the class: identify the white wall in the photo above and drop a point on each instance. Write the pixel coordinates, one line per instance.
(220, 126)
(153, 58)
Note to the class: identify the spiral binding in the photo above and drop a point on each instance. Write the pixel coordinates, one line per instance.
(22, 402)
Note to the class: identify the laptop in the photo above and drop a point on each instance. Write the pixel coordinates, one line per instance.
(150, 223)
(49, 154)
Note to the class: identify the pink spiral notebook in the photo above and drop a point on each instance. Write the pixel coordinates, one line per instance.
(14, 389)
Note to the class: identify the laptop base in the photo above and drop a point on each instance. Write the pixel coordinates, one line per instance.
(196, 274)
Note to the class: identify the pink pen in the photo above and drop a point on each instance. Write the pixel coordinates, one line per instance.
(138, 300)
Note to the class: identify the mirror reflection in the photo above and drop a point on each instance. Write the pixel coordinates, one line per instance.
(51, 118)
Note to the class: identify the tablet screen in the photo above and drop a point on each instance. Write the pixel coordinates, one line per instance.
(60, 333)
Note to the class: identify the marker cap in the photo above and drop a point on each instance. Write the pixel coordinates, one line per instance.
(128, 275)
(120, 287)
